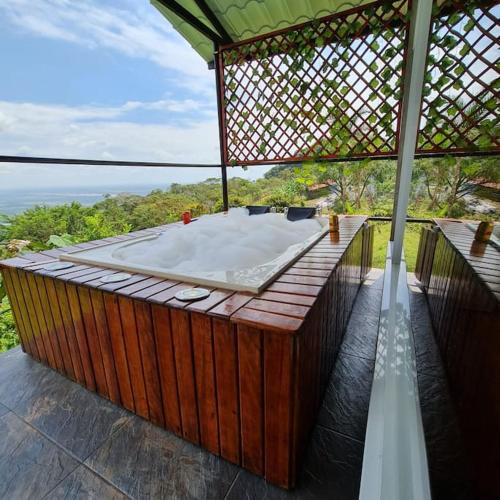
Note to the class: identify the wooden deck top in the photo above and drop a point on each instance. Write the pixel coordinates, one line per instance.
(281, 307)
(483, 258)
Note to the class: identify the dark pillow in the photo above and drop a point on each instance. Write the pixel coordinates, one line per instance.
(299, 213)
(258, 209)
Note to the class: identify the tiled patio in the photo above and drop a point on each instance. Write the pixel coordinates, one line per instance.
(61, 441)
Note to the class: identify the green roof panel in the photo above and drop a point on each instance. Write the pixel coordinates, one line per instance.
(245, 19)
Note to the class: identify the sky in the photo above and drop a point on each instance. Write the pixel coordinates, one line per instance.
(102, 79)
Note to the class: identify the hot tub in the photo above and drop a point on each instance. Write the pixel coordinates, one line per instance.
(234, 251)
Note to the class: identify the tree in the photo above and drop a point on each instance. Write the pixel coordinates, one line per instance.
(450, 178)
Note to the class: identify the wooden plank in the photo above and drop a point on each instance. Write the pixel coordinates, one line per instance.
(169, 293)
(226, 362)
(154, 289)
(216, 297)
(119, 352)
(67, 321)
(104, 337)
(279, 368)
(310, 290)
(293, 310)
(270, 321)
(52, 332)
(81, 338)
(141, 285)
(129, 329)
(90, 327)
(301, 280)
(307, 272)
(116, 287)
(17, 312)
(183, 349)
(149, 363)
(60, 328)
(166, 367)
(230, 305)
(30, 317)
(204, 368)
(251, 378)
(287, 298)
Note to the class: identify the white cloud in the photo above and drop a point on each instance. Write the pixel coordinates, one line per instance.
(136, 30)
(89, 132)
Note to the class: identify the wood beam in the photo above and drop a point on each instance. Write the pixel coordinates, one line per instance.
(191, 19)
(203, 6)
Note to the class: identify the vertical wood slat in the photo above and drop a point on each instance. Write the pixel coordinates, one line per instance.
(18, 313)
(133, 353)
(279, 367)
(166, 366)
(52, 331)
(147, 345)
(206, 389)
(81, 338)
(62, 300)
(103, 334)
(183, 352)
(60, 328)
(22, 286)
(118, 346)
(40, 319)
(226, 361)
(251, 398)
(89, 324)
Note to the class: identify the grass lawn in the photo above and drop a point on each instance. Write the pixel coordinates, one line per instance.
(381, 237)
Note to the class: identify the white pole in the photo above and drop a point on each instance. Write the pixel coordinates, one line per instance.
(410, 118)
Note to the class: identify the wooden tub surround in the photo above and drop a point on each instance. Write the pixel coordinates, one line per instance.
(241, 375)
(461, 279)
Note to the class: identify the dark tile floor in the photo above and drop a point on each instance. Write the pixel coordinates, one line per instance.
(61, 441)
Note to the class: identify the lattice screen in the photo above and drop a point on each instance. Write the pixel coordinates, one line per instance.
(460, 109)
(331, 88)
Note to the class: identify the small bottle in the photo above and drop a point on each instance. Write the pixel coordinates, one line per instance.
(186, 217)
(483, 231)
(334, 222)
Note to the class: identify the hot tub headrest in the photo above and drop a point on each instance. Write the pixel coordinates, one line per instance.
(299, 213)
(258, 209)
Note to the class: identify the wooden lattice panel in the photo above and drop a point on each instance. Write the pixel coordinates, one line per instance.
(460, 108)
(331, 88)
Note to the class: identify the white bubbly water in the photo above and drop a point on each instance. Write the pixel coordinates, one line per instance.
(221, 243)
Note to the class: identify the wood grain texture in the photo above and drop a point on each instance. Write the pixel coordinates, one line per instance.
(81, 337)
(206, 390)
(134, 360)
(251, 378)
(90, 326)
(166, 366)
(145, 333)
(119, 353)
(279, 368)
(104, 336)
(226, 362)
(183, 349)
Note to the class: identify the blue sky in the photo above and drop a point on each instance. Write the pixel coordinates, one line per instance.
(106, 79)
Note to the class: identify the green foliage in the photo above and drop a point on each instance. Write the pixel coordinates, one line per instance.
(8, 335)
(438, 189)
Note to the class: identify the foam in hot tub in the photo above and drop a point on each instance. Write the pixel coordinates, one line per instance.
(232, 251)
